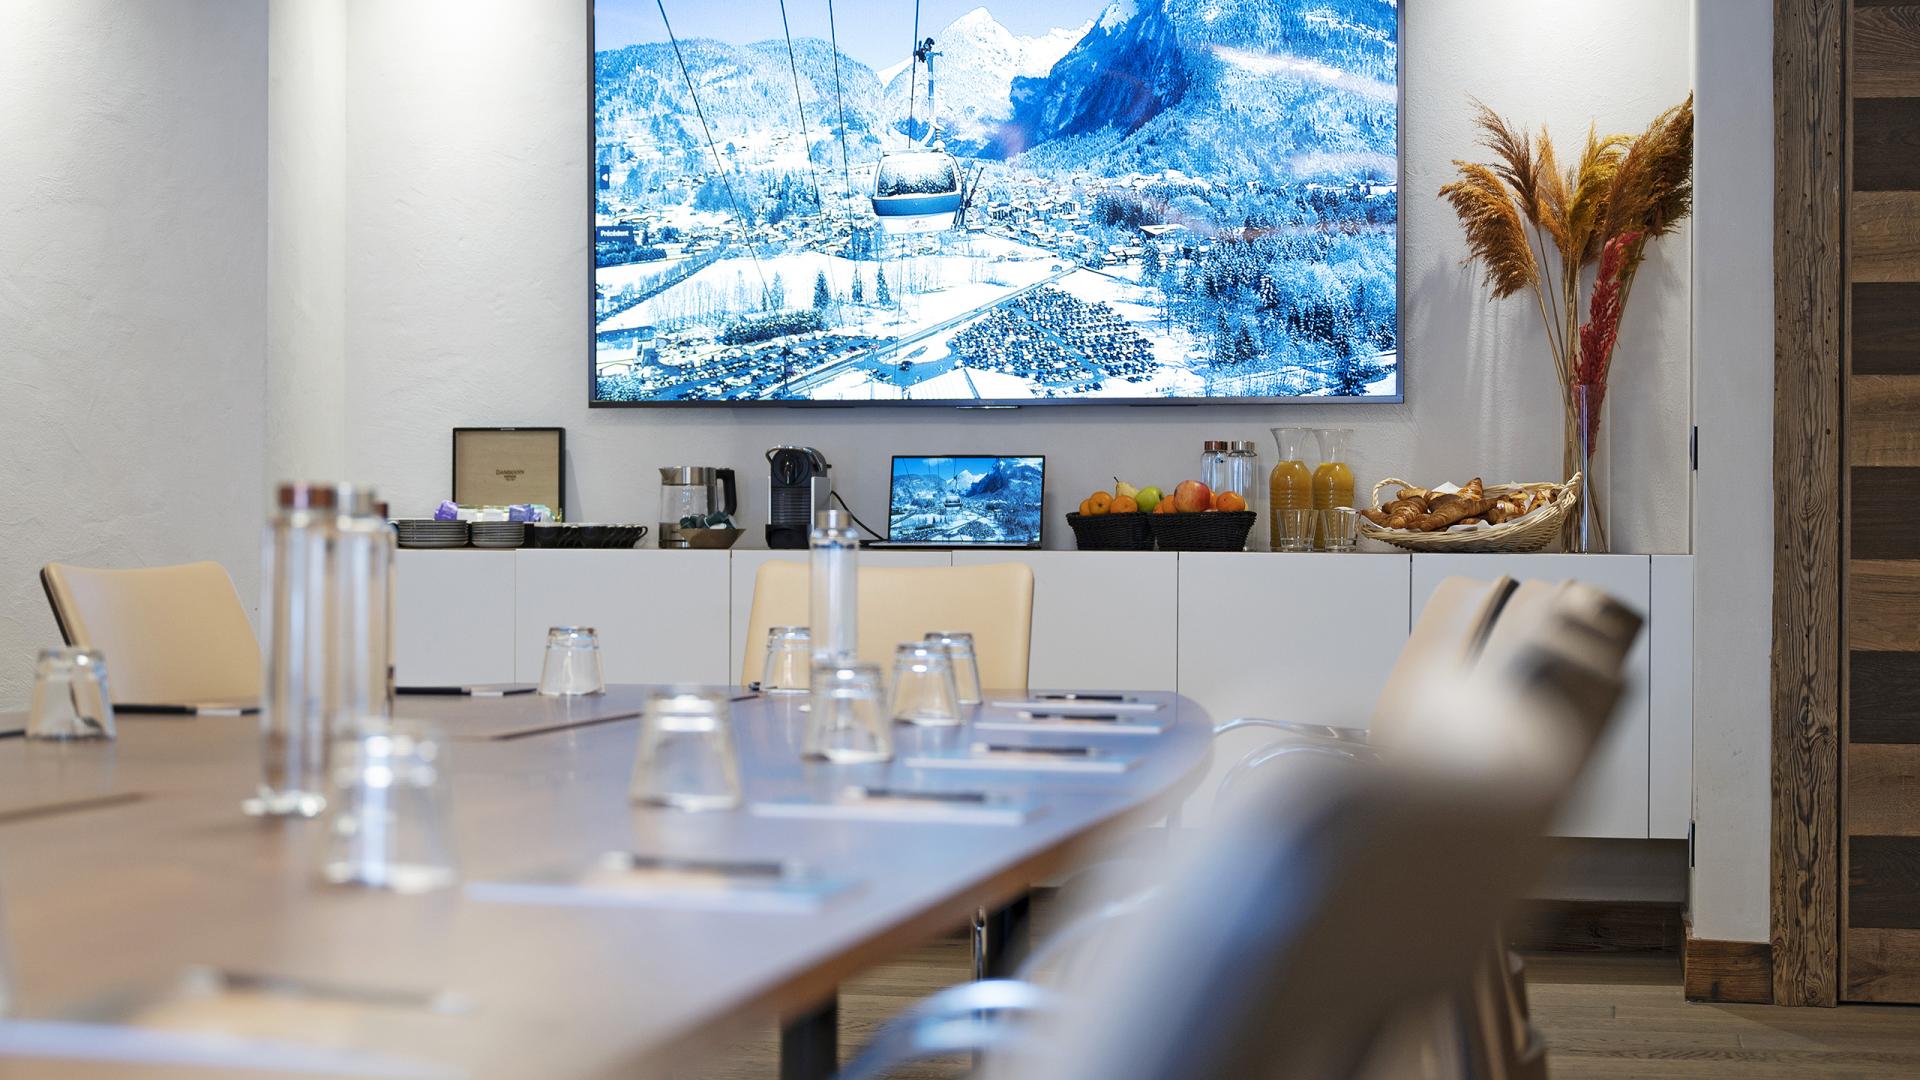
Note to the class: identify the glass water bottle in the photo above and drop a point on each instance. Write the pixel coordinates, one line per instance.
(363, 567)
(296, 615)
(834, 587)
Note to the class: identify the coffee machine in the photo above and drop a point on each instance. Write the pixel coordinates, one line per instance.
(797, 487)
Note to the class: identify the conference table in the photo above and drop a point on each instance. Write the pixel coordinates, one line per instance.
(155, 930)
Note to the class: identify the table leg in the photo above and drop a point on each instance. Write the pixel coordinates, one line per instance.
(810, 1043)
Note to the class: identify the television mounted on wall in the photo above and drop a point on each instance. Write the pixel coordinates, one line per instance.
(938, 203)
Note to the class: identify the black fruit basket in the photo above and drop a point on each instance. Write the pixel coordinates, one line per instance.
(1206, 530)
(1111, 532)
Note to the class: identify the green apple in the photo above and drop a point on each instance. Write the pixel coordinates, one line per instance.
(1123, 490)
(1148, 498)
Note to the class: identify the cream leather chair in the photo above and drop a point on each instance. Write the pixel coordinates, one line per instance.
(994, 603)
(172, 635)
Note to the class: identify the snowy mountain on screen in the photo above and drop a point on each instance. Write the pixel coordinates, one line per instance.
(1259, 88)
(976, 62)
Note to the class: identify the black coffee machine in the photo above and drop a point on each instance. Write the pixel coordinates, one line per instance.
(797, 487)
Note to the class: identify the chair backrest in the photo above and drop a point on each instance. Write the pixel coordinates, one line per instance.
(1319, 908)
(993, 602)
(1451, 629)
(171, 634)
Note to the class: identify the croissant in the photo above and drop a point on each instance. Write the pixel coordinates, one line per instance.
(1473, 490)
(1454, 511)
(1378, 517)
(1418, 504)
(1413, 493)
(1501, 513)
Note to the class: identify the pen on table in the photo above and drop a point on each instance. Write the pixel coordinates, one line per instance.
(1058, 751)
(930, 796)
(188, 710)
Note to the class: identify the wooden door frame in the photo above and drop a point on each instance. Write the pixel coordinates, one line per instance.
(1809, 295)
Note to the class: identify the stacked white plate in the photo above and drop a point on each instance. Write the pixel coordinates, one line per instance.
(428, 533)
(499, 534)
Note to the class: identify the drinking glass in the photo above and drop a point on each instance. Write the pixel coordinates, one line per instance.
(1296, 528)
(960, 654)
(391, 827)
(847, 723)
(1341, 525)
(923, 686)
(686, 758)
(789, 660)
(572, 665)
(70, 697)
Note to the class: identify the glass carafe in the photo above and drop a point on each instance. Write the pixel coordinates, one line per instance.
(1289, 485)
(1332, 479)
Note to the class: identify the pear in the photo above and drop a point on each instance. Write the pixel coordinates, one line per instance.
(1124, 490)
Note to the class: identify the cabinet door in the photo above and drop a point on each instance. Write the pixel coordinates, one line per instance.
(746, 564)
(1611, 797)
(662, 615)
(453, 617)
(1304, 637)
(1101, 619)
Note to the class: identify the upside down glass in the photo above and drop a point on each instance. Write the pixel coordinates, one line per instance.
(1295, 529)
(391, 826)
(923, 687)
(847, 722)
(70, 696)
(686, 759)
(789, 660)
(572, 664)
(966, 668)
(1341, 527)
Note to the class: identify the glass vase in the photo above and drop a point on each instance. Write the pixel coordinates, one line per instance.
(1586, 526)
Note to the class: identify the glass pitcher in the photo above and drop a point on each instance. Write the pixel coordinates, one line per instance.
(1289, 485)
(693, 491)
(1332, 479)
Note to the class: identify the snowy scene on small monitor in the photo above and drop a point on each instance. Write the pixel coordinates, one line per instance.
(1050, 200)
(965, 500)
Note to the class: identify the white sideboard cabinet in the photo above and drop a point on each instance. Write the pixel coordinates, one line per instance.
(1301, 637)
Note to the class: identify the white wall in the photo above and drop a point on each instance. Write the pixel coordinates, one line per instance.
(132, 301)
(466, 213)
(1733, 537)
(306, 245)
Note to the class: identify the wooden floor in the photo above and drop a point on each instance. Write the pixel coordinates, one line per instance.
(1603, 1016)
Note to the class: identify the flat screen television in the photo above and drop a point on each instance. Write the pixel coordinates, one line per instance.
(1133, 202)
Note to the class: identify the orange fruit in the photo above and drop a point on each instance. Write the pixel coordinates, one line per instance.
(1125, 504)
(1165, 506)
(1098, 503)
(1084, 508)
(1228, 500)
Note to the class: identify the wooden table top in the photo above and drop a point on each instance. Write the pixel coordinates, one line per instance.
(124, 864)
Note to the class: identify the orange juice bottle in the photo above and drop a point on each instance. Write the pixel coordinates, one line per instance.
(1332, 480)
(1289, 485)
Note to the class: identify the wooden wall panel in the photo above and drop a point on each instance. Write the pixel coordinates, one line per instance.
(1883, 786)
(1883, 613)
(1880, 422)
(1810, 111)
(1883, 965)
(1886, 49)
(1886, 236)
(1886, 144)
(1883, 882)
(1886, 328)
(1880, 826)
(1883, 698)
(1883, 523)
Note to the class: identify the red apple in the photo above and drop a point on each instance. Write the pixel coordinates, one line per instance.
(1192, 496)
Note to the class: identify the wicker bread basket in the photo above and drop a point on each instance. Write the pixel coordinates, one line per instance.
(1532, 534)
